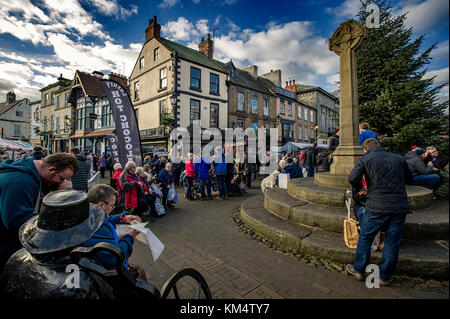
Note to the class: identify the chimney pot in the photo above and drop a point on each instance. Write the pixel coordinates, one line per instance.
(286, 83)
(209, 36)
(293, 82)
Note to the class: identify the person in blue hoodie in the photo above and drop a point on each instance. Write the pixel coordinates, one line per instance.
(202, 168)
(365, 132)
(220, 170)
(23, 183)
(104, 196)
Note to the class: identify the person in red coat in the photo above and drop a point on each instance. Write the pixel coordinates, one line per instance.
(133, 190)
(190, 173)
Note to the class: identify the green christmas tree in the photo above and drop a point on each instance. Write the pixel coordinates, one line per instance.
(394, 97)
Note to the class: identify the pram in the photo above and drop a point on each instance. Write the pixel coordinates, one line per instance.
(237, 183)
(195, 189)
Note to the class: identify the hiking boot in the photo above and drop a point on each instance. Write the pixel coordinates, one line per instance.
(350, 270)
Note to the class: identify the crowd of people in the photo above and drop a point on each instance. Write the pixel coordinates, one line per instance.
(31, 210)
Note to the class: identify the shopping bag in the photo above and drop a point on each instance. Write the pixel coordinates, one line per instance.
(283, 180)
(171, 194)
(159, 207)
(175, 199)
(351, 232)
(156, 190)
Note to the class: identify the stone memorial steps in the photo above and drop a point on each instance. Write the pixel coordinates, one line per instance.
(424, 224)
(306, 189)
(425, 259)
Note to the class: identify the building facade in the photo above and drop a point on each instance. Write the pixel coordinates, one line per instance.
(55, 111)
(326, 104)
(35, 122)
(172, 85)
(250, 104)
(92, 117)
(15, 118)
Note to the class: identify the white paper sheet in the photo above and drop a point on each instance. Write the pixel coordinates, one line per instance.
(146, 236)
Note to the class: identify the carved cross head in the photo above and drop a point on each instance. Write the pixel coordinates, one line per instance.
(348, 36)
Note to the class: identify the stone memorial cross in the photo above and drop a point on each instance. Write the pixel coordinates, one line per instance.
(344, 42)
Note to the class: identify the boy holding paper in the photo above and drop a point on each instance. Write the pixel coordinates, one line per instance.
(105, 196)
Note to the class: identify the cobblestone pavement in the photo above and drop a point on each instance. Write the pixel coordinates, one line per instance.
(203, 236)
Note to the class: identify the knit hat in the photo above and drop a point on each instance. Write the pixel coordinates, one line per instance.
(419, 151)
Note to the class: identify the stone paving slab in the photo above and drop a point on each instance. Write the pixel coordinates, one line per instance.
(235, 279)
(262, 292)
(209, 235)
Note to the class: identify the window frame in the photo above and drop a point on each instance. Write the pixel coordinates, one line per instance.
(163, 79)
(211, 82)
(199, 79)
(240, 93)
(266, 106)
(252, 109)
(136, 92)
(217, 107)
(156, 54)
(199, 110)
(282, 110)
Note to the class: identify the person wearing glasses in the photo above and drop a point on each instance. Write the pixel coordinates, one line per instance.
(23, 183)
(434, 159)
(104, 196)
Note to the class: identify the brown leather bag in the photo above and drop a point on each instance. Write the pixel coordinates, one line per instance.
(351, 231)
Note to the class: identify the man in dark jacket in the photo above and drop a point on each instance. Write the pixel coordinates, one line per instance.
(80, 178)
(38, 155)
(22, 184)
(423, 175)
(386, 206)
(310, 159)
(322, 162)
(333, 142)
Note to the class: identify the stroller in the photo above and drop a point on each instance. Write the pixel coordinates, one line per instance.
(237, 183)
(195, 189)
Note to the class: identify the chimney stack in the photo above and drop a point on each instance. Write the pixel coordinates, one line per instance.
(290, 86)
(10, 97)
(153, 30)
(206, 46)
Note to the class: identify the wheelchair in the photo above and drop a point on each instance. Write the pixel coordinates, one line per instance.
(124, 285)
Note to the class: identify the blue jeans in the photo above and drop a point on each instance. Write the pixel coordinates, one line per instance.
(370, 224)
(189, 186)
(309, 171)
(221, 185)
(427, 181)
(203, 183)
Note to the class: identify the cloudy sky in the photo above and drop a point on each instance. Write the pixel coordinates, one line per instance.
(41, 39)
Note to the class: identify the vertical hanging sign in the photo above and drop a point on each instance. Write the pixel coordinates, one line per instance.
(127, 131)
(114, 146)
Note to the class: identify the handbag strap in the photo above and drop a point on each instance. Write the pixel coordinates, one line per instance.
(348, 202)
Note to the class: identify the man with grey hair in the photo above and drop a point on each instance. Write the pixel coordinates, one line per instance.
(434, 159)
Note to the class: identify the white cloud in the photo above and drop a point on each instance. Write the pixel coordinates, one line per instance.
(440, 76)
(180, 30)
(292, 47)
(62, 29)
(346, 10)
(424, 15)
(166, 4)
(441, 52)
(113, 8)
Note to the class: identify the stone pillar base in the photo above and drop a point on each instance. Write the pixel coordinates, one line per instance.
(329, 180)
(344, 159)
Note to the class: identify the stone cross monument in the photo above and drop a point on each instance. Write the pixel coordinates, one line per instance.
(344, 42)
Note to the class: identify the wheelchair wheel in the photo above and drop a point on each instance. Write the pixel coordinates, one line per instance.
(171, 285)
